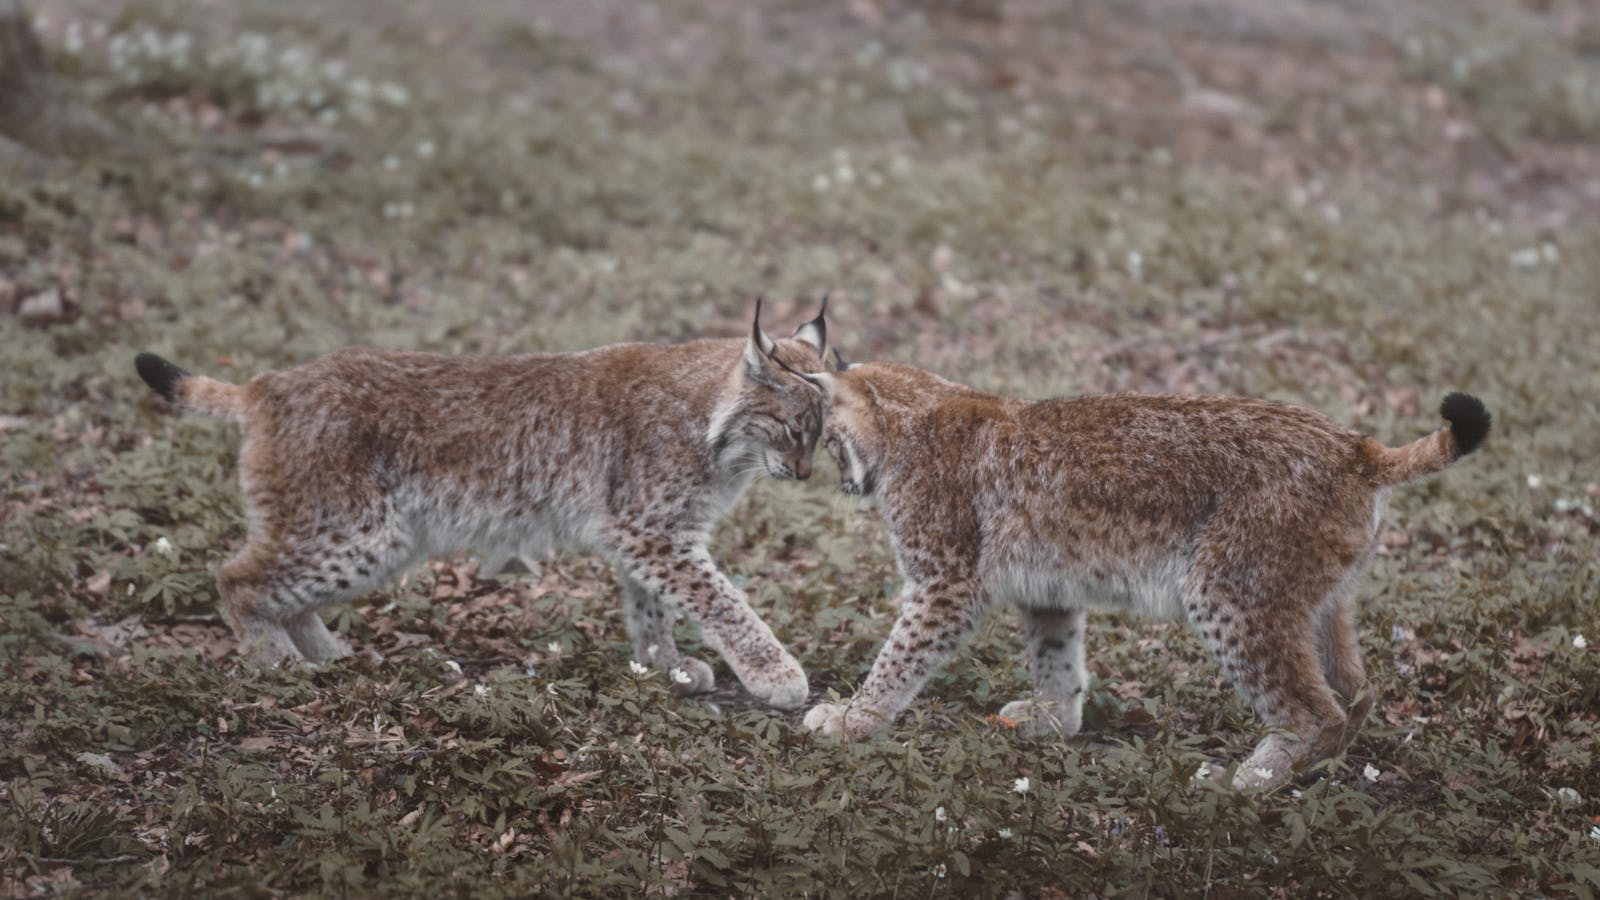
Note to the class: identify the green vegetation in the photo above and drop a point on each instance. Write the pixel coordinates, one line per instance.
(1281, 205)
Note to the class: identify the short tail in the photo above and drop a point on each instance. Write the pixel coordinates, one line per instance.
(1469, 425)
(196, 392)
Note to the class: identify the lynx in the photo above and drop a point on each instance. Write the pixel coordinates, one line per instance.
(1250, 519)
(363, 462)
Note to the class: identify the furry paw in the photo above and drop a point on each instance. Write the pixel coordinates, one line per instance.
(782, 685)
(691, 676)
(268, 647)
(855, 724)
(825, 718)
(1270, 765)
(1037, 717)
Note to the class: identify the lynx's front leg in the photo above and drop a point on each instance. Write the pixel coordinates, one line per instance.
(934, 622)
(1055, 656)
(650, 629)
(685, 578)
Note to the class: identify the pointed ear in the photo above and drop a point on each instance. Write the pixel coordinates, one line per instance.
(815, 332)
(758, 352)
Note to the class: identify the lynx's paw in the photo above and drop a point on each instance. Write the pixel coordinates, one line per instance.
(828, 718)
(781, 685)
(1037, 717)
(691, 676)
(1270, 765)
(825, 718)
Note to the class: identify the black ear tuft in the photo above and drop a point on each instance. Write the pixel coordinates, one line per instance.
(839, 365)
(815, 332)
(162, 376)
(1469, 421)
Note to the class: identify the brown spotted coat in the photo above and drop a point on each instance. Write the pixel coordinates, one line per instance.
(1249, 519)
(363, 462)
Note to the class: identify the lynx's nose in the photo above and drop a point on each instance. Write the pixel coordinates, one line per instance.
(802, 468)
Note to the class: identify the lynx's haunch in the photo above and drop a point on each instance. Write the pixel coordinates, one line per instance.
(1250, 519)
(363, 462)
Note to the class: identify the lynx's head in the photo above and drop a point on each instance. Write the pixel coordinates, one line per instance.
(770, 417)
(871, 408)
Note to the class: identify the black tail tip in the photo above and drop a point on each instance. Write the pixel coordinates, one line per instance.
(162, 376)
(1469, 420)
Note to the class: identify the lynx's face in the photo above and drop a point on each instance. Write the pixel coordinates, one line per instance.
(778, 426)
(851, 439)
(773, 419)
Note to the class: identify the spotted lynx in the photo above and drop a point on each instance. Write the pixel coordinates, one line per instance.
(1251, 519)
(362, 462)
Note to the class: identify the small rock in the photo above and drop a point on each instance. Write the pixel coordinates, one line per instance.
(99, 583)
(42, 308)
(102, 762)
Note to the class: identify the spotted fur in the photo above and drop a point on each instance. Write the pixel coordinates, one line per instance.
(1251, 520)
(363, 462)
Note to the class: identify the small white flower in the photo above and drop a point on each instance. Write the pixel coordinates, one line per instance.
(453, 666)
(639, 671)
(1526, 258)
(550, 689)
(1295, 793)
(1370, 772)
(939, 870)
(1021, 785)
(1568, 796)
(1595, 832)
(1263, 773)
(165, 548)
(393, 94)
(679, 676)
(651, 650)
(1535, 482)
(1579, 642)
(939, 815)
(482, 690)
(1005, 834)
(553, 648)
(1202, 774)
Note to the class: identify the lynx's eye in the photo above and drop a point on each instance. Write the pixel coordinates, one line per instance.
(792, 433)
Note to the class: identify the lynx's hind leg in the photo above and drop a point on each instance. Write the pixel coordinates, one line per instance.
(254, 610)
(650, 629)
(1341, 661)
(273, 594)
(1265, 646)
(1055, 656)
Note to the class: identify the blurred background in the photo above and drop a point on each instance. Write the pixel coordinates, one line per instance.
(1352, 205)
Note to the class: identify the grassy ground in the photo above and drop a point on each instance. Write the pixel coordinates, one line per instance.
(1347, 205)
